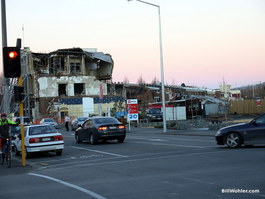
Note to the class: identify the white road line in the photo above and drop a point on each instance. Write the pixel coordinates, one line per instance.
(188, 146)
(170, 138)
(91, 193)
(103, 152)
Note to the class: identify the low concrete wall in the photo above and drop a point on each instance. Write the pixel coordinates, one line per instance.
(189, 124)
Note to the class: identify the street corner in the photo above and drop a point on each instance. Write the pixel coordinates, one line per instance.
(15, 169)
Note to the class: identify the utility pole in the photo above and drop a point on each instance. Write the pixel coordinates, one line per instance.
(5, 105)
(6, 95)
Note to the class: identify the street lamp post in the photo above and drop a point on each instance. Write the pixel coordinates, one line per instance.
(161, 65)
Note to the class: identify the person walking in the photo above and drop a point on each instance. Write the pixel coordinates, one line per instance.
(66, 121)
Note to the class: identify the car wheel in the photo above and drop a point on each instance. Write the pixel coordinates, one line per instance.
(92, 139)
(121, 140)
(233, 140)
(17, 152)
(59, 152)
(77, 139)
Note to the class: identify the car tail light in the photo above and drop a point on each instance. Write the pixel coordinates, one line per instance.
(121, 127)
(34, 140)
(102, 128)
(58, 137)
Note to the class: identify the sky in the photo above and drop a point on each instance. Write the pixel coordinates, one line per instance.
(204, 42)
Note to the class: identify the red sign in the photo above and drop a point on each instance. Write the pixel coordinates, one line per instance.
(100, 91)
(258, 102)
(132, 106)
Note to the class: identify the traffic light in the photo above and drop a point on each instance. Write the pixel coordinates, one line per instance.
(12, 65)
(18, 93)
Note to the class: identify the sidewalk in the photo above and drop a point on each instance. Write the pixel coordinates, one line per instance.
(189, 132)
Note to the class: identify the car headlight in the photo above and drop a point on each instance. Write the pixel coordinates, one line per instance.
(218, 133)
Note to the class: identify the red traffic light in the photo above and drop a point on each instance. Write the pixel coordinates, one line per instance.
(11, 61)
(12, 54)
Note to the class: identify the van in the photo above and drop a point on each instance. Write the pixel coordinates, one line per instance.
(26, 120)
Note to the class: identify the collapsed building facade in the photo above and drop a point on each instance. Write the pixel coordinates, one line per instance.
(66, 82)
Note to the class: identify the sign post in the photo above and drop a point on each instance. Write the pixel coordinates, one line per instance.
(132, 111)
(100, 99)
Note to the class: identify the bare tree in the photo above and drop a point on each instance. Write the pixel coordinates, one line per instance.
(154, 81)
(126, 80)
(140, 80)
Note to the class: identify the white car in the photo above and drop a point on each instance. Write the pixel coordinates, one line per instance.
(40, 138)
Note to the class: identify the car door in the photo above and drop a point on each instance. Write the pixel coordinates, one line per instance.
(256, 134)
(84, 131)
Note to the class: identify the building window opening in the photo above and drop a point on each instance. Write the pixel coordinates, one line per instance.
(56, 65)
(79, 89)
(157, 99)
(75, 65)
(62, 89)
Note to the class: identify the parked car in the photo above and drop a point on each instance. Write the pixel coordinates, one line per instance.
(100, 128)
(77, 122)
(40, 138)
(26, 120)
(250, 133)
(154, 115)
(49, 121)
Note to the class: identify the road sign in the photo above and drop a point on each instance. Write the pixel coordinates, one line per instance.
(132, 109)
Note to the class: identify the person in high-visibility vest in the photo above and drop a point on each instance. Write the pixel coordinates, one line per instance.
(4, 129)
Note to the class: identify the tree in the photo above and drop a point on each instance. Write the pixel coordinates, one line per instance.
(140, 80)
(154, 81)
(126, 80)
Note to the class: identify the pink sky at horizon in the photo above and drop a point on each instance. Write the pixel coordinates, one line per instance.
(204, 42)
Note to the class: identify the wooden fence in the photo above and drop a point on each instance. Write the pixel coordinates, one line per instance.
(247, 107)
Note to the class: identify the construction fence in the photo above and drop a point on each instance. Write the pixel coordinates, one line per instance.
(247, 107)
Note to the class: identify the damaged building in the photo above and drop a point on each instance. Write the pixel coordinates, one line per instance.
(66, 82)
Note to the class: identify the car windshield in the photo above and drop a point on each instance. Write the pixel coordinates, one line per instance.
(106, 121)
(41, 130)
(80, 119)
(48, 120)
(154, 111)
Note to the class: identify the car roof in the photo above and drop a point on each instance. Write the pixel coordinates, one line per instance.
(101, 117)
(38, 125)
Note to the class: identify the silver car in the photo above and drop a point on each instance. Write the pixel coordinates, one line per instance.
(49, 121)
(77, 122)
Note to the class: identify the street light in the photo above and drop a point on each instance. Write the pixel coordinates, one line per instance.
(161, 65)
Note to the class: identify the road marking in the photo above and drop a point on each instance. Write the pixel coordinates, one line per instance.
(103, 152)
(136, 160)
(157, 140)
(188, 146)
(171, 138)
(91, 193)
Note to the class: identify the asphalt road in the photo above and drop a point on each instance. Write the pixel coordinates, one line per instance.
(149, 165)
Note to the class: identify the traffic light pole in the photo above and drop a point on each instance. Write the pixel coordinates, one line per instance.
(21, 114)
(22, 130)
